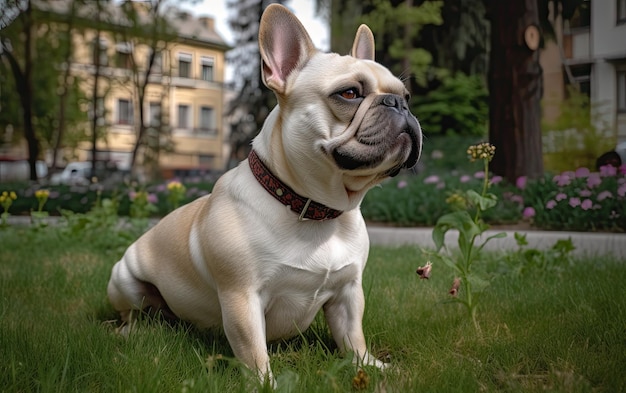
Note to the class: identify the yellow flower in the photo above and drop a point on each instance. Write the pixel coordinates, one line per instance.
(42, 194)
(483, 151)
(175, 186)
(457, 201)
(13, 195)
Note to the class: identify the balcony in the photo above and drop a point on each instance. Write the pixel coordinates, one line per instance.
(576, 45)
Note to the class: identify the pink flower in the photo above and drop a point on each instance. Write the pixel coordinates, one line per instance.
(517, 199)
(573, 202)
(621, 191)
(582, 172)
(132, 195)
(622, 169)
(585, 193)
(521, 182)
(479, 175)
(402, 184)
(529, 212)
(153, 198)
(586, 204)
(560, 197)
(465, 179)
(441, 185)
(608, 170)
(562, 180)
(594, 180)
(603, 195)
(496, 179)
(431, 179)
(551, 204)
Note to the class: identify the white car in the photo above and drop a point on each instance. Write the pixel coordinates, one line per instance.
(74, 174)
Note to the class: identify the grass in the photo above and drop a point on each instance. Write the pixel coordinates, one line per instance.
(557, 328)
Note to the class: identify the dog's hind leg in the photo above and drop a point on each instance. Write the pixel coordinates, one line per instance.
(129, 295)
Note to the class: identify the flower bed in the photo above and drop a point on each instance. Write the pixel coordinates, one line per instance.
(579, 200)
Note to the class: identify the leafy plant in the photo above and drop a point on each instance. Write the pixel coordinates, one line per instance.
(467, 284)
(525, 259)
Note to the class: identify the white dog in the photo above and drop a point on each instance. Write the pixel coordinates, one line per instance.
(282, 236)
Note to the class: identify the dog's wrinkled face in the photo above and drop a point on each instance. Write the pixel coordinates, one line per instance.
(341, 117)
(360, 120)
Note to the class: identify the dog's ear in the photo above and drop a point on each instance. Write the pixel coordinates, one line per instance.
(364, 46)
(284, 44)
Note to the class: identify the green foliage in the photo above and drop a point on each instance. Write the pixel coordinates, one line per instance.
(397, 28)
(457, 106)
(525, 260)
(578, 136)
(50, 47)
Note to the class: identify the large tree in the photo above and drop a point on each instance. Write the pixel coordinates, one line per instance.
(49, 98)
(515, 89)
(17, 39)
(148, 25)
(253, 101)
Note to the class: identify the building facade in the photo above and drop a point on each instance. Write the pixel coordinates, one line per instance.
(593, 55)
(172, 77)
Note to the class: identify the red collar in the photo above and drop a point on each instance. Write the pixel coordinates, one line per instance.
(305, 207)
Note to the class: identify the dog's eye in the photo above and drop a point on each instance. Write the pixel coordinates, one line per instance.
(350, 94)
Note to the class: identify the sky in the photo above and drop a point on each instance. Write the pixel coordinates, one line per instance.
(304, 10)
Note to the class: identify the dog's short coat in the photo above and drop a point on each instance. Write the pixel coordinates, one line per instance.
(241, 259)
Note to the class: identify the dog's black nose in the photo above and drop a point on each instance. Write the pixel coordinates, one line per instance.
(394, 101)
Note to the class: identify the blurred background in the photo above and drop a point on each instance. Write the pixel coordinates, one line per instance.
(166, 89)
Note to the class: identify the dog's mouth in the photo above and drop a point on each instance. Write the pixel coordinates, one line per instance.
(374, 146)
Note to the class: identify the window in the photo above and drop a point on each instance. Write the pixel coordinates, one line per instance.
(621, 91)
(207, 68)
(207, 119)
(183, 116)
(621, 11)
(123, 55)
(100, 57)
(206, 160)
(184, 65)
(124, 111)
(154, 114)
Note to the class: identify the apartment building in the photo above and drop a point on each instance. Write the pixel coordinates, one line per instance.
(593, 46)
(184, 99)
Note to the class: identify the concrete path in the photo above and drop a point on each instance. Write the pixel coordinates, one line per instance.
(589, 244)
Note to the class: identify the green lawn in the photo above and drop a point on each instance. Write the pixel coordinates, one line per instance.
(555, 328)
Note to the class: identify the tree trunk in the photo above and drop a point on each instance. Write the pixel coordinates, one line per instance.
(515, 89)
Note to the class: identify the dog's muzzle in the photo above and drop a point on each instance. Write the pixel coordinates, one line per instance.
(387, 128)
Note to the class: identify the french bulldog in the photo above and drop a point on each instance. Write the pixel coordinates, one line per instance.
(282, 236)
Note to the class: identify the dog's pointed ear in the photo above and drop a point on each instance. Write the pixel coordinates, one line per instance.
(364, 46)
(284, 44)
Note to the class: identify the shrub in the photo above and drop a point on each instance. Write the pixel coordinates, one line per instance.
(577, 137)
(467, 115)
(580, 200)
